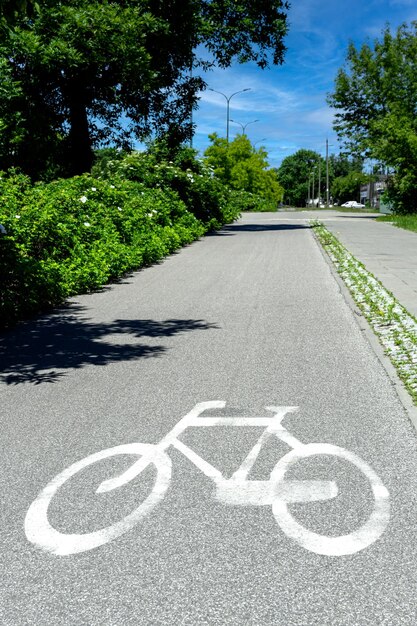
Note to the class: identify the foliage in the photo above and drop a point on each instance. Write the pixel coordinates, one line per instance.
(239, 165)
(185, 176)
(294, 173)
(345, 188)
(71, 236)
(11, 10)
(342, 165)
(88, 73)
(375, 96)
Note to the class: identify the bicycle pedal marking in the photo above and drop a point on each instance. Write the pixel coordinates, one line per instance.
(237, 490)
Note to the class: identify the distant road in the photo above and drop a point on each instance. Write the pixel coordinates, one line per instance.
(248, 318)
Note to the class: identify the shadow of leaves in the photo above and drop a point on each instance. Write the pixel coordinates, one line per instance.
(41, 350)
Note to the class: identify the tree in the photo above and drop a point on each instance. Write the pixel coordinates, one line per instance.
(80, 67)
(294, 173)
(344, 188)
(341, 165)
(10, 10)
(242, 167)
(376, 98)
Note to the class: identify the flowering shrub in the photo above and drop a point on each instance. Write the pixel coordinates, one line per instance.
(74, 235)
(190, 179)
(71, 236)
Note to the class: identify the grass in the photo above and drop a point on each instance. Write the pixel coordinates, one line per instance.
(342, 209)
(395, 327)
(408, 222)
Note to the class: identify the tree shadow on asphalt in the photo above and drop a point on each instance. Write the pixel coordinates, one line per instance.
(37, 351)
(360, 216)
(236, 228)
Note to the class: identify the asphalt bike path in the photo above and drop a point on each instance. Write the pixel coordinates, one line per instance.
(155, 466)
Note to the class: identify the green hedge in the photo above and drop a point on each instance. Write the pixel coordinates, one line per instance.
(72, 236)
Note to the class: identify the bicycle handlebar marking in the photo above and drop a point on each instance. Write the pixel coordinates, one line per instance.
(238, 490)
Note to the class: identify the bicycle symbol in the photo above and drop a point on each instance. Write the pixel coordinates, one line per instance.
(237, 490)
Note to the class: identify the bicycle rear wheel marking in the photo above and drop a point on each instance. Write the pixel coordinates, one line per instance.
(320, 544)
(39, 531)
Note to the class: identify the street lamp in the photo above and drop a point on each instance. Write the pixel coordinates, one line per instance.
(259, 141)
(244, 125)
(228, 98)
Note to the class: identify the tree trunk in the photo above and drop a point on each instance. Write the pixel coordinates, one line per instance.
(80, 152)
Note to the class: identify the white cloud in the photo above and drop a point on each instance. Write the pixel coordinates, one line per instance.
(321, 117)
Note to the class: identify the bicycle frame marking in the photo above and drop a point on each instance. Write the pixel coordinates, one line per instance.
(272, 426)
(237, 490)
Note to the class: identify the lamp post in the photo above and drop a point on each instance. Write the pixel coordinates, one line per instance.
(244, 125)
(228, 98)
(259, 141)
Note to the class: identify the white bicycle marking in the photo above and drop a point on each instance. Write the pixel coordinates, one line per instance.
(332, 546)
(237, 490)
(40, 532)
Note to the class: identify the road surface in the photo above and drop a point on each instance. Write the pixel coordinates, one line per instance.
(248, 318)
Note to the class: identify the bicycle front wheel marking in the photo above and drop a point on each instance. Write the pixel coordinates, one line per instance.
(39, 531)
(320, 544)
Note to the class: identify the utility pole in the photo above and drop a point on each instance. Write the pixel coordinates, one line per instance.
(327, 173)
(308, 198)
(313, 187)
(319, 180)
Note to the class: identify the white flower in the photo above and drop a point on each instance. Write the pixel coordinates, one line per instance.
(3, 231)
(93, 189)
(112, 187)
(17, 217)
(154, 211)
(83, 199)
(87, 224)
(119, 208)
(150, 215)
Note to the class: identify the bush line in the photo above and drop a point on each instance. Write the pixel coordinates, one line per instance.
(73, 236)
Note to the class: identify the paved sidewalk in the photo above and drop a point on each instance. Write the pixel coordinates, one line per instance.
(390, 253)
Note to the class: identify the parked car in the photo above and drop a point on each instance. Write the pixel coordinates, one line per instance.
(352, 204)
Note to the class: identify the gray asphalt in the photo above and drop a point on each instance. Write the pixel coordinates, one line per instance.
(253, 316)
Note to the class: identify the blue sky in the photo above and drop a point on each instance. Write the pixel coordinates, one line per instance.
(290, 100)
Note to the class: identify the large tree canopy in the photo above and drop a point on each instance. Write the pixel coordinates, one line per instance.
(294, 173)
(11, 10)
(344, 188)
(376, 96)
(76, 74)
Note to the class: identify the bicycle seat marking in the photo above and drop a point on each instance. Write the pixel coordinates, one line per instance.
(237, 490)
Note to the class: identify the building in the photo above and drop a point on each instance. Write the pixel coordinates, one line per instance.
(370, 194)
